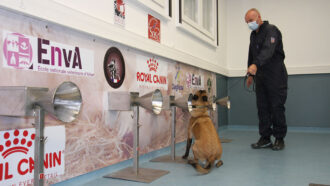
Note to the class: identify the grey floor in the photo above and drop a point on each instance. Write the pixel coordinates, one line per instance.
(305, 160)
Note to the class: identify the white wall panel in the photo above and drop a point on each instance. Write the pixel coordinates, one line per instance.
(305, 31)
(303, 24)
(88, 17)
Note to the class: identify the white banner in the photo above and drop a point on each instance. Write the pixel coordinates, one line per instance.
(17, 155)
(42, 55)
(151, 73)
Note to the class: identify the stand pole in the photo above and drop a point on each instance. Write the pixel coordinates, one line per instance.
(39, 142)
(173, 125)
(135, 173)
(171, 158)
(136, 140)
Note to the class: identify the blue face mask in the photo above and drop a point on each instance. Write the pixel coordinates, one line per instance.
(253, 25)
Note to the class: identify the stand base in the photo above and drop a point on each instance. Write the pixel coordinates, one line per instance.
(145, 175)
(168, 159)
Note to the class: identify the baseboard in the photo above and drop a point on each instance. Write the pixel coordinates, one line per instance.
(324, 69)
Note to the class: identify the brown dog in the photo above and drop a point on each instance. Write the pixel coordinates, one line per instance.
(207, 145)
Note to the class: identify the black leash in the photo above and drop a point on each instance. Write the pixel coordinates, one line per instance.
(244, 83)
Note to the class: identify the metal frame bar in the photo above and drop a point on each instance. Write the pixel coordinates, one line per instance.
(171, 158)
(136, 139)
(173, 126)
(39, 146)
(135, 173)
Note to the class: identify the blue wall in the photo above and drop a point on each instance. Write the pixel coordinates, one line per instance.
(308, 102)
(222, 91)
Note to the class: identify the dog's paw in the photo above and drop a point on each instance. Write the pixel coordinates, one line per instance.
(191, 162)
(184, 157)
(220, 162)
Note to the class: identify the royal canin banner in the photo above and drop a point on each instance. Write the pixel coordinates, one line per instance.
(17, 155)
(151, 73)
(42, 55)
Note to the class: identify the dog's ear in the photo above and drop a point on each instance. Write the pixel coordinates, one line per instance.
(195, 97)
(204, 98)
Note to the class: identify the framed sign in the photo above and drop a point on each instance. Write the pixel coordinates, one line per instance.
(114, 67)
(153, 28)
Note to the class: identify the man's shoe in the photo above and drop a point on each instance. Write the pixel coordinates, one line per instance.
(264, 142)
(279, 144)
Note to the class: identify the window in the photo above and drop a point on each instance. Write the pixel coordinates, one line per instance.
(190, 9)
(200, 18)
(161, 7)
(207, 15)
(161, 3)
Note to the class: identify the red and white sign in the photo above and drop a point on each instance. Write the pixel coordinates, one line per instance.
(151, 73)
(17, 155)
(119, 12)
(42, 55)
(153, 28)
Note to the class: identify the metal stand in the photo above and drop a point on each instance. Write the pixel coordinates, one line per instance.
(173, 109)
(135, 173)
(136, 148)
(64, 103)
(171, 158)
(39, 142)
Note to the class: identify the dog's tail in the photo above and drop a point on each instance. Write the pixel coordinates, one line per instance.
(207, 169)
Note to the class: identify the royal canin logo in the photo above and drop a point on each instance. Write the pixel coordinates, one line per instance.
(152, 64)
(152, 77)
(20, 143)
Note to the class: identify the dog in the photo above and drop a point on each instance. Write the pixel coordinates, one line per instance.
(207, 145)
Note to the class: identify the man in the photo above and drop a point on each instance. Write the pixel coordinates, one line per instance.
(266, 65)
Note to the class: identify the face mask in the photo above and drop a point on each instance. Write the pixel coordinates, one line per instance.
(253, 25)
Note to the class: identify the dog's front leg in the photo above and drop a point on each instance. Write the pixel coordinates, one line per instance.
(189, 138)
(189, 141)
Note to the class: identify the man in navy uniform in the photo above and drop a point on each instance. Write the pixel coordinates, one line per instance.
(266, 67)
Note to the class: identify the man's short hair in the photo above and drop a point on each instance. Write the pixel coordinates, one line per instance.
(255, 10)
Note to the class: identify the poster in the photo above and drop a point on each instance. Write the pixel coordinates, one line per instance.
(153, 28)
(119, 12)
(31, 53)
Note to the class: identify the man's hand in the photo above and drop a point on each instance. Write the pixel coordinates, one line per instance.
(252, 69)
(249, 81)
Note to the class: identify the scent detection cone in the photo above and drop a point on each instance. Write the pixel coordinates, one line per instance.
(183, 102)
(64, 102)
(151, 101)
(222, 101)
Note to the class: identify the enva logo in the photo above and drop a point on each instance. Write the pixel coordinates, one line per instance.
(15, 142)
(18, 51)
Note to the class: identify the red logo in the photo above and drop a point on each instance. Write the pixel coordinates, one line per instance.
(152, 64)
(153, 28)
(152, 77)
(20, 143)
